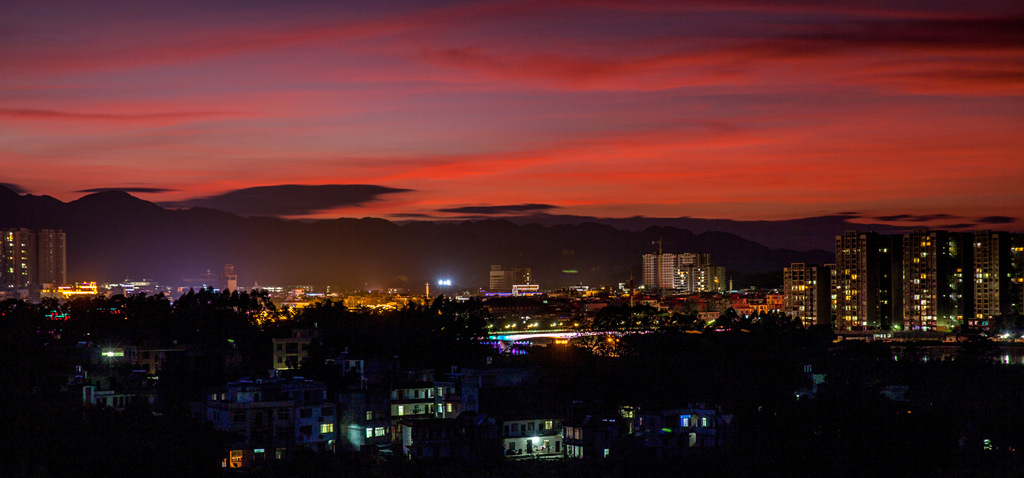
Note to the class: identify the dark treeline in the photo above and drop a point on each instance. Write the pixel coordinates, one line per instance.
(754, 368)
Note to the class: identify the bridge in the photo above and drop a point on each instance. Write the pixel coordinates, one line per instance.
(553, 334)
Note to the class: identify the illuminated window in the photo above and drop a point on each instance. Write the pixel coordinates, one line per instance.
(236, 458)
(369, 414)
(369, 432)
(327, 428)
(379, 431)
(684, 420)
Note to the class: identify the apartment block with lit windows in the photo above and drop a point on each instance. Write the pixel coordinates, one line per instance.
(1017, 273)
(991, 277)
(32, 259)
(807, 293)
(686, 272)
(866, 282)
(935, 296)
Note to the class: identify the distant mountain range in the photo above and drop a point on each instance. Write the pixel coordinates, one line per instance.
(803, 234)
(113, 235)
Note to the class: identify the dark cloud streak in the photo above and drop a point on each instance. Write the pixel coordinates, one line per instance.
(288, 199)
(29, 113)
(996, 220)
(916, 218)
(511, 208)
(127, 190)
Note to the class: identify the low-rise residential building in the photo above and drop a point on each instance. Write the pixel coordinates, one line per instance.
(272, 419)
(471, 437)
(674, 432)
(412, 400)
(539, 437)
(152, 359)
(364, 419)
(289, 352)
(590, 437)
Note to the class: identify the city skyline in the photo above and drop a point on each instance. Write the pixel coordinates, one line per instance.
(890, 113)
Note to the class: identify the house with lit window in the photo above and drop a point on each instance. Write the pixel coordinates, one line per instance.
(590, 436)
(646, 430)
(289, 352)
(271, 419)
(536, 437)
(412, 399)
(364, 418)
(447, 399)
(658, 432)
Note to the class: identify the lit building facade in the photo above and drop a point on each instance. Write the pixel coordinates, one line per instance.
(687, 272)
(866, 286)
(934, 293)
(992, 296)
(271, 419)
(532, 438)
(806, 293)
(289, 352)
(500, 280)
(32, 258)
(1017, 273)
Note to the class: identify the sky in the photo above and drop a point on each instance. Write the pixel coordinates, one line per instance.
(897, 111)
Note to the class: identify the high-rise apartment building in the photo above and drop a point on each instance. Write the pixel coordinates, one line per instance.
(807, 293)
(992, 294)
(659, 271)
(866, 282)
(51, 251)
(1017, 273)
(934, 293)
(522, 276)
(30, 258)
(687, 272)
(19, 254)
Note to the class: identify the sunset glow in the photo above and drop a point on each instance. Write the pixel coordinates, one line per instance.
(734, 109)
